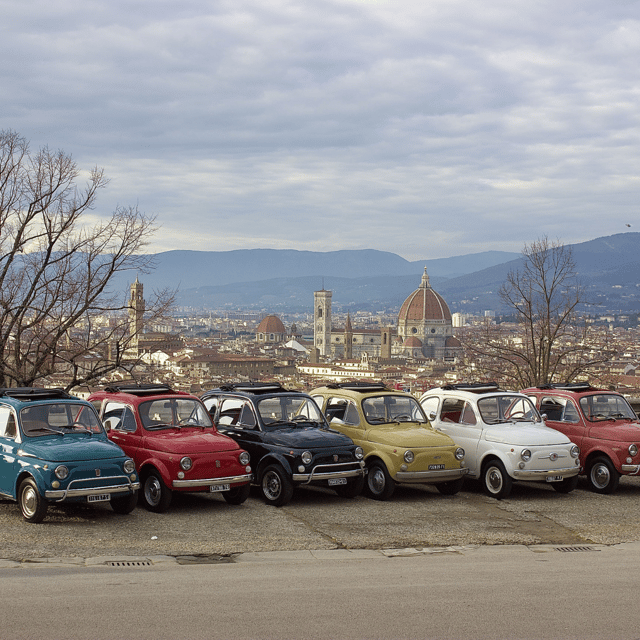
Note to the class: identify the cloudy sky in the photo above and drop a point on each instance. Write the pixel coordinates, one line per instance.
(428, 128)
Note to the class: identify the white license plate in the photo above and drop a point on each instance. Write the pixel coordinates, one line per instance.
(555, 478)
(436, 467)
(334, 481)
(219, 487)
(100, 497)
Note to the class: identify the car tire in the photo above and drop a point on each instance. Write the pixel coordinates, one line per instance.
(125, 504)
(602, 475)
(380, 485)
(237, 495)
(352, 489)
(156, 496)
(450, 488)
(276, 487)
(32, 505)
(566, 486)
(496, 482)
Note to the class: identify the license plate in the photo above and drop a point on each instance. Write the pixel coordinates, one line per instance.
(334, 481)
(219, 487)
(99, 497)
(554, 478)
(435, 467)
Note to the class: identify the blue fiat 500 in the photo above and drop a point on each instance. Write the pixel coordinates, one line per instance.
(54, 449)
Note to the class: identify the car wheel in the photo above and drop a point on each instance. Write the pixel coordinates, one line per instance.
(156, 496)
(380, 485)
(125, 504)
(495, 480)
(32, 504)
(602, 475)
(277, 488)
(352, 489)
(237, 495)
(450, 488)
(565, 486)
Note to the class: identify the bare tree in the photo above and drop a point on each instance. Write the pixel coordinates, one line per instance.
(56, 269)
(550, 341)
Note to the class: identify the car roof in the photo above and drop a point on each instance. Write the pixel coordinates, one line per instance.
(360, 389)
(18, 396)
(251, 389)
(139, 392)
(568, 388)
(473, 390)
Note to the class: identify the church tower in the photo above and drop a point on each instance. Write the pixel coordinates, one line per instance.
(322, 321)
(136, 312)
(348, 339)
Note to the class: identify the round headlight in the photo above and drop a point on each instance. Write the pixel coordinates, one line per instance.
(306, 457)
(129, 466)
(61, 472)
(408, 456)
(575, 451)
(459, 453)
(186, 463)
(525, 454)
(244, 458)
(633, 450)
(359, 453)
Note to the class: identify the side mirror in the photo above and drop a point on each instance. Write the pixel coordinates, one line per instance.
(432, 416)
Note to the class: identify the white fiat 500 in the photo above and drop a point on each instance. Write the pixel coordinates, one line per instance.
(504, 437)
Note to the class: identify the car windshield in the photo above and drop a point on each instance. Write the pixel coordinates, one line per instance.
(168, 413)
(392, 408)
(288, 410)
(606, 406)
(507, 408)
(60, 418)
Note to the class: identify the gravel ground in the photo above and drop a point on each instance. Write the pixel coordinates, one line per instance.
(204, 525)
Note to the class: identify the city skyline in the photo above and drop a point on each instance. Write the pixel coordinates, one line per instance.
(441, 128)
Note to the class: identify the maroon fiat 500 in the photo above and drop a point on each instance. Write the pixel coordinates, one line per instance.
(601, 423)
(173, 442)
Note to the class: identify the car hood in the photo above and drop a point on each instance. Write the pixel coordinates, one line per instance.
(524, 434)
(188, 441)
(617, 431)
(72, 448)
(408, 436)
(306, 438)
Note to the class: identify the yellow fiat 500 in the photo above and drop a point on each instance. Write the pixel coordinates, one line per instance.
(399, 444)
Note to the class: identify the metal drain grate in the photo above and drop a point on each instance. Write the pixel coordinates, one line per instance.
(566, 549)
(129, 563)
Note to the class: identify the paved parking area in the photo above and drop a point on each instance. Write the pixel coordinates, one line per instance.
(204, 526)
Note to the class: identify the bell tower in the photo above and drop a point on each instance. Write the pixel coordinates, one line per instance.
(322, 321)
(136, 311)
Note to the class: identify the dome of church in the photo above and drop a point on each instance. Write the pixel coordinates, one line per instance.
(271, 324)
(452, 342)
(413, 342)
(424, 304)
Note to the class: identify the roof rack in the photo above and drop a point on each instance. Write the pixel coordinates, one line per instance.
(256, 387)
(139, 389)
(359, 385)
(473, 387)
(35, 393)
(568, 386)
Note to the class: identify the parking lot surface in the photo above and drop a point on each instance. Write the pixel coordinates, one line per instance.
(203, 526)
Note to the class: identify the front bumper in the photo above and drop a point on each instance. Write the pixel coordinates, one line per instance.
(211, 482)
(630, 469)
(350, 470)
(537, 475)
(431, 477)
(58, 495)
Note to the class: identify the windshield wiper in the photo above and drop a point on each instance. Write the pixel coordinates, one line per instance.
(154, 427)
(49, 429)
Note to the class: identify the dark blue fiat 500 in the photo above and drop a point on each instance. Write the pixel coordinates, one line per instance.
(55, 450)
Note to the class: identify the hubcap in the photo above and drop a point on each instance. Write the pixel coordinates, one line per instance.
(152, 490)
(376, 480)
(600, 476)
(271, 485)
(29, 501)
(494, 480)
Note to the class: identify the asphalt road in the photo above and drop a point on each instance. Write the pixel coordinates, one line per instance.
(203, 528)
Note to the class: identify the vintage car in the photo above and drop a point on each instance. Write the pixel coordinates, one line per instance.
(175, 446)
(601, 423)
(504, 437)
(288, 438)
(55, 451)
(398, 442)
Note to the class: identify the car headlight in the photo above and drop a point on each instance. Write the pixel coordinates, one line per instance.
(306, 457)
(61, 472)
(525, 454)
(244, 458)
(129, 466)
(459, 453)
(186, 463)
(408, 456)
(359, 453)
(575, 451)
(633, 450)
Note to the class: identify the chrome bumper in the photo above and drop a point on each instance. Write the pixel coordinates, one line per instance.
(62, 494)
(540, 474)
(430, 477)
(317, 473)
(211, 482)
(630, 469)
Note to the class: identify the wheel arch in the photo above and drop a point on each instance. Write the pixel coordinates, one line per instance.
(272, 458)
(599, 453)
(155, 465)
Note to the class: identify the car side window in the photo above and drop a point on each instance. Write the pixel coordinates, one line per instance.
(468, 415)
(452, 409)
(247, 417)
(7, 423)
(212, 405)
(118, 416)
(342, 410)
(230, 409)
(559, 409)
